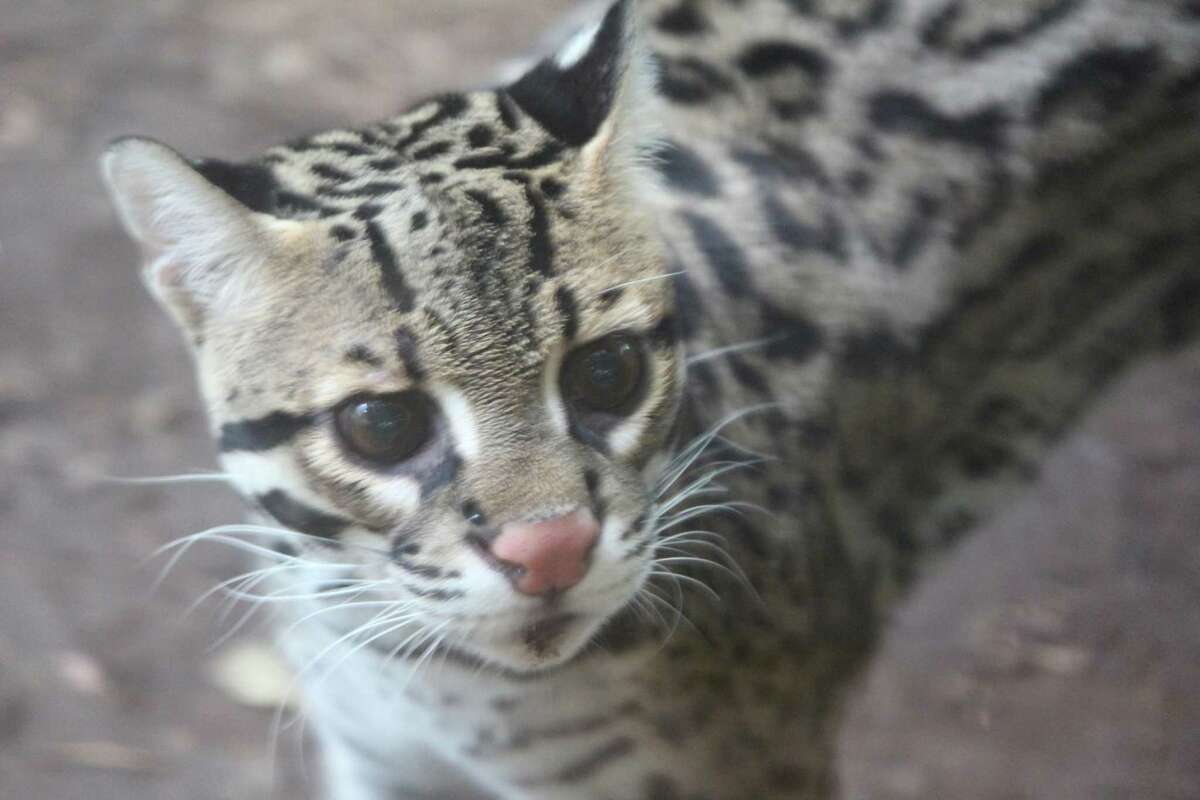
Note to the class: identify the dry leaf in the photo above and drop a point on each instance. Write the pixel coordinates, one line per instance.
(252, 674)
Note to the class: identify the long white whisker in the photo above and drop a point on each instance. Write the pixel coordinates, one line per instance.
(154, 480)
(242, 578)
(679, 465)
(637, 281)
(428, 650)
(677, 576)
(733, 506)
(717, 352)
(390, 624)
(702, 483)
(339, 607)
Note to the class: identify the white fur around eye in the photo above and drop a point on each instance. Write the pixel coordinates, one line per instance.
(577, 47)
(626, 435)
(461, 419)
(258, 473)
(555, 407)
(402, 494)
(624, 439)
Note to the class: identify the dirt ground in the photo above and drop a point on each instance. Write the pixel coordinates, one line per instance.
(105, 689)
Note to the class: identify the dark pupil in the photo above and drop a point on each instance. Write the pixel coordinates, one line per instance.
(604, 376)
(606, 372)
(384, 429)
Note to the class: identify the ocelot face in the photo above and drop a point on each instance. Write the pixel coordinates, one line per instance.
(487, 456)
(438, 353)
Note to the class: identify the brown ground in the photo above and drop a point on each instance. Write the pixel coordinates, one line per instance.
(104, 692)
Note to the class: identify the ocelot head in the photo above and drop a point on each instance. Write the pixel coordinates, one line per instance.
(437, 352)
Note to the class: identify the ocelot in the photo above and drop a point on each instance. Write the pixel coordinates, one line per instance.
(592, 424)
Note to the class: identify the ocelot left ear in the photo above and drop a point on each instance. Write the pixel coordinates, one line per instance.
(199, 225)
(596, 93)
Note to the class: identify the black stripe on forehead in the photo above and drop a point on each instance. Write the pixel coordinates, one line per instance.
(292, 513)
(406, 350)
(448, 107)
(264, 432)
(541, 248)
(393, 279)
(564, 298)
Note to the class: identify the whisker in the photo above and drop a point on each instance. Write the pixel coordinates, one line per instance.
(717, 352)
(711, 592)
(243, 577)
(704, 482)
(154, 480)
(390, 624)
(429, 650)
(676, 607)
(338, 607)
(637, 281)
(688, 455)
(737, 507)
(738, 576)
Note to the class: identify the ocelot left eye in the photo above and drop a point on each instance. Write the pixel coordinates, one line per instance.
(604, 376)
(385, 429)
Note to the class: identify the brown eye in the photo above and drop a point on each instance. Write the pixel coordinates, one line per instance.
(386, 429)
(604, 376)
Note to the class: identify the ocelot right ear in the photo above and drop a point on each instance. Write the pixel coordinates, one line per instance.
(200, 246)
(597, 92)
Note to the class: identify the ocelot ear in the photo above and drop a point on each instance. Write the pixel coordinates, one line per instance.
(596, 93)
(199, 244)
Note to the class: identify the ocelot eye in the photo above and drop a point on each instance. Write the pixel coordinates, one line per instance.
(386, 429)
(604, 376)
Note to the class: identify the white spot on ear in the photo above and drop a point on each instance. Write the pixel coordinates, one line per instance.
(461, 419)
(577, 47)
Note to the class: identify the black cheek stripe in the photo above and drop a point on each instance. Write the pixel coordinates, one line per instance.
(440, 475)
(292, 513)
(264, 432)
(441, 595)
(636, 526)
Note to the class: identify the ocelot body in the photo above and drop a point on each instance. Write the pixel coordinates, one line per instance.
(595, 422)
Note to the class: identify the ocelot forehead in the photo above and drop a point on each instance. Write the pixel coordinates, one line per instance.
(458, 242)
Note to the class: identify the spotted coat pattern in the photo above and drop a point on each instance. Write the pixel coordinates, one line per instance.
(906, 241)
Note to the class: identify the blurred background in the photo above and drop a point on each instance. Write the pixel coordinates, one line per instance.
(109, 691)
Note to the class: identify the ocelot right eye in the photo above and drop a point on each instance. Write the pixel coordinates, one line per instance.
(604, 376)
(385, 429)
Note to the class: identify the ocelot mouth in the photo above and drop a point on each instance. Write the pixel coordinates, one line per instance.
(542, 636)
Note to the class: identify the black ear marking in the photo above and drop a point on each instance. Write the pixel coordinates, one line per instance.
(572, 102)
(252, 185)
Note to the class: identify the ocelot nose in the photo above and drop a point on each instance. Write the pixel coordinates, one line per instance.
(550, 555)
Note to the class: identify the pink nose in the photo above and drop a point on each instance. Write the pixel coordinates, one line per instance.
(552, 554)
